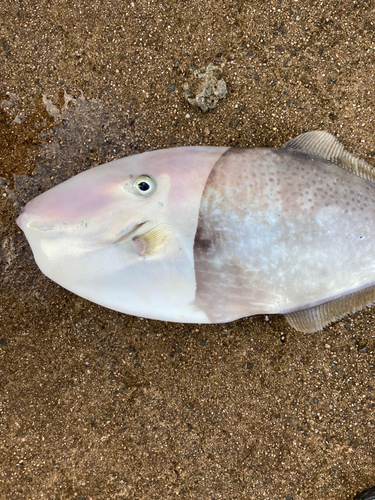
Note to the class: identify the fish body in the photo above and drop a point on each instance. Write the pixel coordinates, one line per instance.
(213, 234)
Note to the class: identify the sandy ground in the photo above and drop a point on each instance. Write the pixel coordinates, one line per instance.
(98, 405)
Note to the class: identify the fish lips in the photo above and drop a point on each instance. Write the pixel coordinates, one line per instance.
(29, 221)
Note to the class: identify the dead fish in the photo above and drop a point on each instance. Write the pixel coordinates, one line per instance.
(213, 234)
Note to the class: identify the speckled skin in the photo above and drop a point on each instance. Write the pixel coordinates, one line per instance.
(280, 230)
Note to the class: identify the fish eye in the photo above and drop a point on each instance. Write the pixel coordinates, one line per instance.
(144, 185)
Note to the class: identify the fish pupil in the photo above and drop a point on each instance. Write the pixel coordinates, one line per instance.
(144, 186)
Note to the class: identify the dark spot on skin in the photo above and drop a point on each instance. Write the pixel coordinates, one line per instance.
(201, 242)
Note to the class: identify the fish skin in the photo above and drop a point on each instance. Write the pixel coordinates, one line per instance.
(250, 231)
(280, 230)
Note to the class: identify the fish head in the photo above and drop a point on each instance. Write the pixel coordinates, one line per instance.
(122, 234)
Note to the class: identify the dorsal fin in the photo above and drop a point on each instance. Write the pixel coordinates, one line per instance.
(325, 145)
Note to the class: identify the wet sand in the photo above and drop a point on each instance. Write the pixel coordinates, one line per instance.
(98, 405)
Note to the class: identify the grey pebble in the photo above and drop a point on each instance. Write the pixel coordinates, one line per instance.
(206, 89)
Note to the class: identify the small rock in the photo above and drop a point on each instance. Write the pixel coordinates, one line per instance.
(208, 90)
(170, 88)
(202, 342)
(249, 366)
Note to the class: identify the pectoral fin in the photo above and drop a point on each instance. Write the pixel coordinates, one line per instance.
(325, 145)
(316, 318)
(152, 241)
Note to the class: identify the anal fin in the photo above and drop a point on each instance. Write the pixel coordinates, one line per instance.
(316, 318)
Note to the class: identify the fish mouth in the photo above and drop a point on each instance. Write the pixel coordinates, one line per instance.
(19, 221)
(28, 220)
(131, 232)
(22, 218)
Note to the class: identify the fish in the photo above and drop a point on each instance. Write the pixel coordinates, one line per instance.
(206, 234)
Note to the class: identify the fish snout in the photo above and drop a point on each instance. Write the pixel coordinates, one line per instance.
(29, 220)
(20, 221)
(29, 214)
